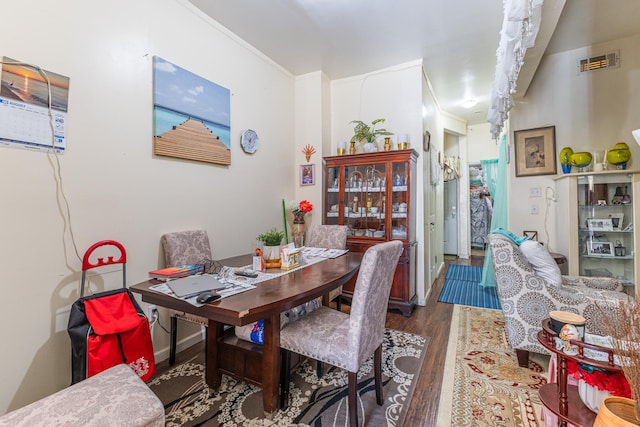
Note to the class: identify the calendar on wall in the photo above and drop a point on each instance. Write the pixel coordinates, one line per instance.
(27, 97)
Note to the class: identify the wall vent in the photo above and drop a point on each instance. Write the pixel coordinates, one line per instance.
(599, 62)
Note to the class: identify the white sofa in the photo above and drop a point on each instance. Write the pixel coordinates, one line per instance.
(114, 397)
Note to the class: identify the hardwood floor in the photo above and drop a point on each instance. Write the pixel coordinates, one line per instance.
(432, 320)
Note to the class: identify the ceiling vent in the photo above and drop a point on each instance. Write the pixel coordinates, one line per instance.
(600, 62)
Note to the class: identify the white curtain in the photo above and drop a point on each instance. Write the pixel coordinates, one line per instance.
(519, 30)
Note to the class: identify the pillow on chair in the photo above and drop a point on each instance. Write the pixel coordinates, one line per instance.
(543, 264)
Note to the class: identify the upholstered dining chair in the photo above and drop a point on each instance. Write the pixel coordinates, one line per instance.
(184, 247)
(332, 237)
(530, 285)
(347, 340)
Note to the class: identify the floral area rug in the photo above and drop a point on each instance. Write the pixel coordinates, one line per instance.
(488, 387)
(313, 402)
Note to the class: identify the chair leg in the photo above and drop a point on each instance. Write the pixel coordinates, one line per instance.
(353, 399)
(318, 369)
(285, 377)
(173, 338)
(377, 367)
(523, 358)
(339, 303)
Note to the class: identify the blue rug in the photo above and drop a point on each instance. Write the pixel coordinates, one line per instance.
(462, 286)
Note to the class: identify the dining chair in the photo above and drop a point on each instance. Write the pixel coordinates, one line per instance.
(184, 247)
(347, 340)
(332, 237)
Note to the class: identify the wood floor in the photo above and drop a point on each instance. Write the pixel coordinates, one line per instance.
(433, 321)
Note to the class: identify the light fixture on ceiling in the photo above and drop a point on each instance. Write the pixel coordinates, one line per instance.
(469, 103)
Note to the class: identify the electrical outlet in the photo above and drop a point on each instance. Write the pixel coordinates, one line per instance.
(152, 311)
(534, 209)
(535, 192)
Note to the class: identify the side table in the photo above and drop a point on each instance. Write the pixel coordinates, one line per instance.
(563, 399)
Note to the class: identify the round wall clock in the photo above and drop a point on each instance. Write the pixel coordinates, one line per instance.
(249, 141)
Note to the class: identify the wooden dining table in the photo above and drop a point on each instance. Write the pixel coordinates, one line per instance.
(266, 301)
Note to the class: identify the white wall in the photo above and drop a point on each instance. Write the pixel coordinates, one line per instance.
(116, 188)
(590, 111)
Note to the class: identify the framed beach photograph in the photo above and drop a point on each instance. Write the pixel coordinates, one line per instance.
(600, 224)
(535, 151)
(616, 221)
(600, 248)
(308, 174)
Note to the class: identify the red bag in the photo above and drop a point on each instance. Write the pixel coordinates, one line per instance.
(108, 328)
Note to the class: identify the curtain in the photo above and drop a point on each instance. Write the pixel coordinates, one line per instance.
(496, 178)
(520, 27)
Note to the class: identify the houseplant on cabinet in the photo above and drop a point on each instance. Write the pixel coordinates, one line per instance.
(368, 134)
(271, 251)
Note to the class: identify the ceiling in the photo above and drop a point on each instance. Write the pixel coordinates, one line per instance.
(456, 39)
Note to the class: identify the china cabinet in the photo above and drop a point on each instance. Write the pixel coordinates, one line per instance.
(596, 217)
(374, 195)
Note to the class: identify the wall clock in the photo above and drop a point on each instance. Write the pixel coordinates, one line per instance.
(249, 141)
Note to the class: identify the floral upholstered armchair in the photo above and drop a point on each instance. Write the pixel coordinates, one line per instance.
(527, 297)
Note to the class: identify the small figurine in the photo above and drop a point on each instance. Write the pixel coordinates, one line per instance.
(568, 333)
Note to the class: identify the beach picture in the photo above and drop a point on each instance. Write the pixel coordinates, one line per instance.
(191, 115)
(25, 121)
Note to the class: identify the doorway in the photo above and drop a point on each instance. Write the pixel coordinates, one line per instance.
(451, 217)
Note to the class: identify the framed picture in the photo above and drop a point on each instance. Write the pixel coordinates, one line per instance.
(600, 224)
(308, 174)
(616, 221)
(535, 151)
(600, 248)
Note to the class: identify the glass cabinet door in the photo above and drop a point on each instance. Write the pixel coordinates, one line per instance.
(605, 227)
(400, 201)
(365, 200)
(332, 196)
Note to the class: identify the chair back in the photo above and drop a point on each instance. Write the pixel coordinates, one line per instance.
(186, 247)
(370, 299)
(327, 236)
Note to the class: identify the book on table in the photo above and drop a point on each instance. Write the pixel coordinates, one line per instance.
(176, 272)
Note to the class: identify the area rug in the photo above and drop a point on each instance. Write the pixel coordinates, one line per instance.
(488, 386)
(462, 286)
(313, 402)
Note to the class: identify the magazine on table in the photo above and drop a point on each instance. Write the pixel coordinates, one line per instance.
(308, 252)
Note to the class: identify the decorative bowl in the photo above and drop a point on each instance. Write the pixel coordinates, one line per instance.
(618, 156)
(580, 159)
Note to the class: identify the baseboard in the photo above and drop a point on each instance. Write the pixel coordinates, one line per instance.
(181, 345)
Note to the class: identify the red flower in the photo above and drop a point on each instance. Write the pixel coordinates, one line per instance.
(304, 206)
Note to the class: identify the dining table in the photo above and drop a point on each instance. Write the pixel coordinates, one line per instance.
(265, 302)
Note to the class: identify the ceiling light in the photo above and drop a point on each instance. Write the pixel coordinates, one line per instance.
(469, 103)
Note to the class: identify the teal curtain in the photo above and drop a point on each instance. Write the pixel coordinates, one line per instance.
(496, 176)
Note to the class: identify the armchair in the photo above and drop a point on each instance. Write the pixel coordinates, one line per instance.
(527, 298)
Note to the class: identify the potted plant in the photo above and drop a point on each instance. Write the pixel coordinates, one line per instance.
(271, 251)
(364, 132)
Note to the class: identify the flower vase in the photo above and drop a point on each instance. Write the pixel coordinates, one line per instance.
(370, 147)
(298, 229)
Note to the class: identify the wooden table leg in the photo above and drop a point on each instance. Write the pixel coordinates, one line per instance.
(271, 365)
(213, 377)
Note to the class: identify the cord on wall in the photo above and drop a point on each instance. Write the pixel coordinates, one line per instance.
(61, 198)
(550, 197)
